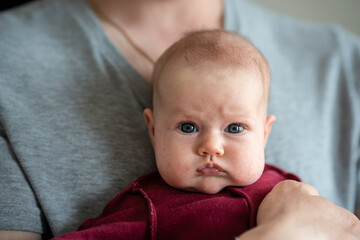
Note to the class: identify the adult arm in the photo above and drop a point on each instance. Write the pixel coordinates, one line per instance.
(18, 235)
(19, 209)
(295, 211)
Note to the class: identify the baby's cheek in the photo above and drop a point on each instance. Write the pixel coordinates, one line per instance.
(257, 167)
(249, 166)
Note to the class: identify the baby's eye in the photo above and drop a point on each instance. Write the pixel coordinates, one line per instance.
(187, 128)
(234, 128)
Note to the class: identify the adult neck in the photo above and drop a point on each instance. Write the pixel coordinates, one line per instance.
(156, 24)
(193, 14)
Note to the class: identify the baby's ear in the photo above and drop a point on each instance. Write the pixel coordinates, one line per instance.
(149, 121)
(270, 119)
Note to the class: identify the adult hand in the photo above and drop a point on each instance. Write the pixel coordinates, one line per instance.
(295, 211)
(18, 235)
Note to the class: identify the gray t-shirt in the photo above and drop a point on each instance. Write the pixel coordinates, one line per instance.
(72, 133)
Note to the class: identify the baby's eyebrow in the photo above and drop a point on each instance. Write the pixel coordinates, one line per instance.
(239, 118)
(229, 117)
(189, 116)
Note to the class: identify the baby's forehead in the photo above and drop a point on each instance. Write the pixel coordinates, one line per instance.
(209, 89)
(179, 77)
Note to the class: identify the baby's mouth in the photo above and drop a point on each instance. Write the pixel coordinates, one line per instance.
(210, 169)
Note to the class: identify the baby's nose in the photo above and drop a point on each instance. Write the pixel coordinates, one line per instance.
(211, 145)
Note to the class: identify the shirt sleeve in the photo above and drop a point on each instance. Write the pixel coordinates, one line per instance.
(356, 67)
(352, 54)
(19, 209)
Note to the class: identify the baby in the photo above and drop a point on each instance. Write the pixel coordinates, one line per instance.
(209, 127)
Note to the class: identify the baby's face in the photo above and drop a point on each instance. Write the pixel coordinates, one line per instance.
(209, 128)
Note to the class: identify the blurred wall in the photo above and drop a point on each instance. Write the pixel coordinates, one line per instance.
(343, 12)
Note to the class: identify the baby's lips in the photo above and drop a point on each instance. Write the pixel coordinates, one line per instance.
(210, 169)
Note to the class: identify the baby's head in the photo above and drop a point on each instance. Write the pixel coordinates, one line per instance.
(209, 126)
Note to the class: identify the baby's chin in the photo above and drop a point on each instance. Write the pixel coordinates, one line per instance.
(211, 188)
(207, 189)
